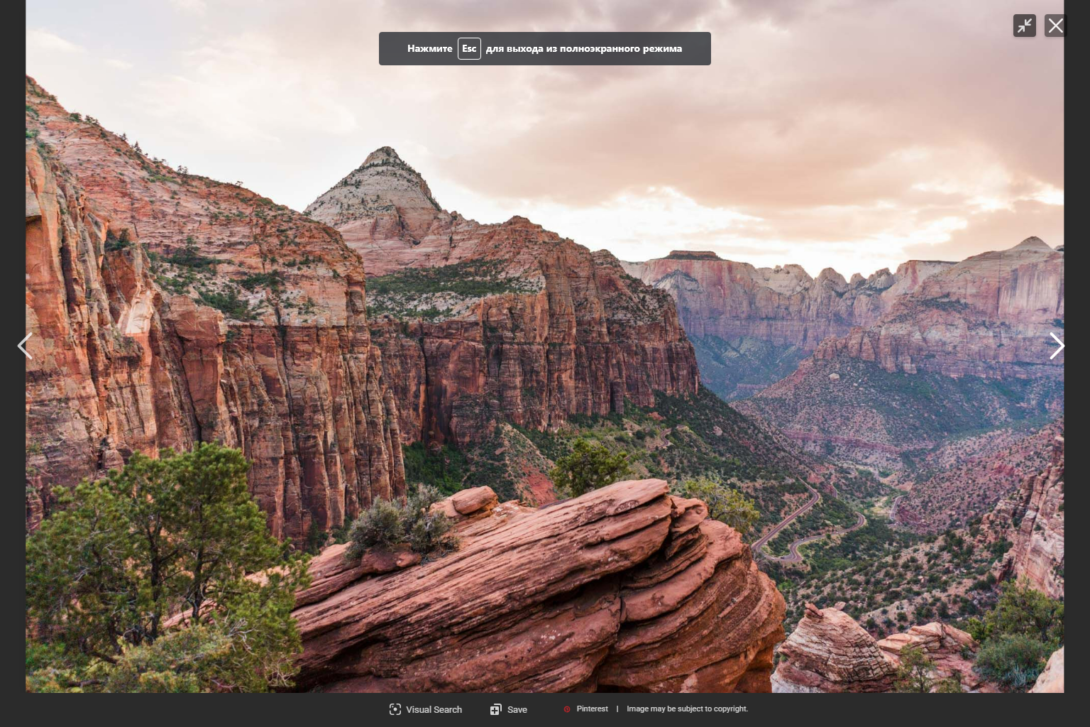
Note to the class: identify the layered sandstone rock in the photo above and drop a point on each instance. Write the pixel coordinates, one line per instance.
(386, 212)
(286, 371)
(1051, 680)
(546, 331)
(102, 379)
(989, 315)
(949, 649)
(969, 348)
(829, 652)
(625, 588)
(782, 305)
(1032, 518)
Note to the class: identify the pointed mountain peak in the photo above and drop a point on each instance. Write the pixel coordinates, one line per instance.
(382, 154)
(1032, 243)
(383, 186)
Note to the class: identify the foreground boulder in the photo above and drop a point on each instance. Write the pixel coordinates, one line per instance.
(950, 649)
(829, 652)
(623, 589)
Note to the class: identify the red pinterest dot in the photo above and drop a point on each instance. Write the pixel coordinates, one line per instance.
(567, 709)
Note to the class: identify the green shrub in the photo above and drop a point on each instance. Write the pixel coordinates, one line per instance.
(725, 504)
(949, 685)
(182, 662)
(380, 526)
(388, 524)
(271, 281)
(1013, 660)
(117, 242)
(1025, 611)
(914, 675)
(588, 467)
(229, 303)
(189, 257)
(428, 532)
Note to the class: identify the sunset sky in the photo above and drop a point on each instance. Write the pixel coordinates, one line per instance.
(852, 134)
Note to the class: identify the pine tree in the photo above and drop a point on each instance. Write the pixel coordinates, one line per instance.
(175, 540)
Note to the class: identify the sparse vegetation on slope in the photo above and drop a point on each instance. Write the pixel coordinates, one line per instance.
(856, 411)
(891, 579)
(741, 367)
(433, 293)
(964, 478)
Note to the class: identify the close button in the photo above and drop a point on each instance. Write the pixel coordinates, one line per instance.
(1055, 26)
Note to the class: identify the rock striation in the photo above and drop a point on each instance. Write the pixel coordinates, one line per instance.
(167, 308)
(828, 652)
(1032, 519)
(626, 588)
(505, 322)
(386, 212)
(949, 648)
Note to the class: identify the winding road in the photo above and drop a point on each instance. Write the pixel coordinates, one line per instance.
(758, 547)
(893, 509)
(793, 549)
(793, 555)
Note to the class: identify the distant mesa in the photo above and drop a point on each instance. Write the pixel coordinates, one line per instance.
(692, 255)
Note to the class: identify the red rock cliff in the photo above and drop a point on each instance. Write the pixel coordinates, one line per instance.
(1032, 519)
(781, 305)
(752, 326)
(990, 315)
(623, 589)
(119, 249)
(548, 329)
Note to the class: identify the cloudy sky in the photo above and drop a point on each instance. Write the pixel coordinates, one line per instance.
(847, 133)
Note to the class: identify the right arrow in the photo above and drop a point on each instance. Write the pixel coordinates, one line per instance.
(1057, 351)
(21, 345)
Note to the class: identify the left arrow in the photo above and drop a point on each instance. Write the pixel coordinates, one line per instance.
(24, 341)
